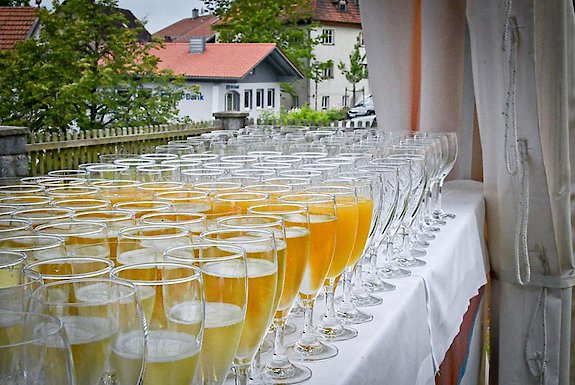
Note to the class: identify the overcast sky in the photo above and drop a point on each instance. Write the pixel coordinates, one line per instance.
(161, 13)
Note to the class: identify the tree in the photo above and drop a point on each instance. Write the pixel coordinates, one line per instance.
(85, 70)
(357, 70)
(14, 3)
(284, 22)
(317, 75)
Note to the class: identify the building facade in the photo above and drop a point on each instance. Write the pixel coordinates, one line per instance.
(243, 77)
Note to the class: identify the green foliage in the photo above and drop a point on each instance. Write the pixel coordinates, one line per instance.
(284, 22)
(357, 69)
(86, 70)
(306, 113)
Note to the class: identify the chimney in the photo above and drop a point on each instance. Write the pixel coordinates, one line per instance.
(197, 44)
(195, 13)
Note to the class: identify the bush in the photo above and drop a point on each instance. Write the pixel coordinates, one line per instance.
(307, 114)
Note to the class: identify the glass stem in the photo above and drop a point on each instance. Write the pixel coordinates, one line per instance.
(329, 316)
(373, 261)
(438, 210)
(308, 337)
(347, 302)
(242, 374)
(279, 359)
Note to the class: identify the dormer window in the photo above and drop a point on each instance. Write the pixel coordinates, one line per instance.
(342, 5)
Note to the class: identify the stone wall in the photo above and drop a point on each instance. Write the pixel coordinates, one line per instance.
(13, 156)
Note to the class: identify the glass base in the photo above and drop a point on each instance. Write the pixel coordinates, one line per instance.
(412, 253)
(291, 374)
(411, 262)
(395, 272)
(354, 318)
(362, 300)
(420, 244)
(374, 284)
(296, 311)
(266, 346)
(289, 328)
(309, 353)
(338, 333)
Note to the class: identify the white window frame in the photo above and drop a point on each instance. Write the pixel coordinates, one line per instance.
(271, 98)
(248, 99)
(295, 101)
(345, 101)
(260, 96)
(328, 36)
(327, 73)
(235, 101)
(325, 102)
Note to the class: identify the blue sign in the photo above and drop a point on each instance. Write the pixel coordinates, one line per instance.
(195, 96)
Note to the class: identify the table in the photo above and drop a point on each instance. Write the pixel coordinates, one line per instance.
(414, 327)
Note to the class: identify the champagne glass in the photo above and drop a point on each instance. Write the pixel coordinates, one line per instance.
(79, 205)
(159, 158)
(73, 192)
(296, 184)
(213, 188)
(146, 243)
(6, 211)
(34, 349)
(139, 208)
(104, 323)
(156, 172)
(274, 191)
(446, 166)
(226, 167)
(149, 189)
(322, 225)
(106, 171)
(61, 182)
(114, 221)
(21, 189)
(10, 260)
(186, 200)
(273, 166)
(262, 270)
(16, 286)
(346, 232)
(133, 164)
(196, 175)
(195, 222)
(13, 227)
(224, 273)
(26, 201)
(43, 215)
(36, 247)
(89, 239)
(220, 210)
(173, 302)
(117, 190)
(60, 269)
(201, 157)
(68, 173)
(242, 199)
(297, 234)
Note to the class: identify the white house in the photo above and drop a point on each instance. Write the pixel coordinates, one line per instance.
(231, 76)
(339, 26)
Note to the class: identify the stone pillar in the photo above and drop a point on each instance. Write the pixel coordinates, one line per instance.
(13, 156)
(231, 120)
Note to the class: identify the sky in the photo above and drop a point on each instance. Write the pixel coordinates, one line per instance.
(161, 13)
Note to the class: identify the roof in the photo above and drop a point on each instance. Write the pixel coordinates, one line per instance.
(16, 24)
(181, 31)
(223, 60)
(133, 23)
(328, 11)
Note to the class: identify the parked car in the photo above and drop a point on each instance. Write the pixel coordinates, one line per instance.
(363, 108)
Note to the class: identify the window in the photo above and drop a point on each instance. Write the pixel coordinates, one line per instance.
(327, 36)
(248, 99)
(232, 101)
(327, 73)
(295, 101)
(325, 102)
(260, 98)
(361, 41)
(342, 5)
(271, 97)
(345, 101)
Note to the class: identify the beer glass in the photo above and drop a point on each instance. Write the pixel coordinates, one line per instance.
(262, 270)
(172, 297)
(297, 234)
(34, 349)
(323, 228)
(105, 326)
(224, 274)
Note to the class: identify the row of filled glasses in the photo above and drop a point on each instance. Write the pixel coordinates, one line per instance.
(323, 221)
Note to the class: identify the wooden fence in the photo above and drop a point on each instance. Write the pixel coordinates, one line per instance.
(59, 151)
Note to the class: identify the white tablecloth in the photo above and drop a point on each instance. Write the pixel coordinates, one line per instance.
(414, 327)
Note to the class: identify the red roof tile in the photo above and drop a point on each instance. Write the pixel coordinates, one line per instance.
(181, 31)
(328, 11)
(219, 60)
(16, 24)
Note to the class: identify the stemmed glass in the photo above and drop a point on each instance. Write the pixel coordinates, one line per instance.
(297, 235)
(224, 273)
(14, 227)
(262, 267)
(43, 215)
(346, 232)
(34, 349)
(104, 323)
(36, 247)
(243, 199)
(173, 303)
(446, 166)
(322, 225)
(186, 200)
(139, 208)
(79, 205)
(60, 269)
(80, 238)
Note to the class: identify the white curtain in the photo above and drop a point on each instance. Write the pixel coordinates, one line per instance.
(523, 76)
